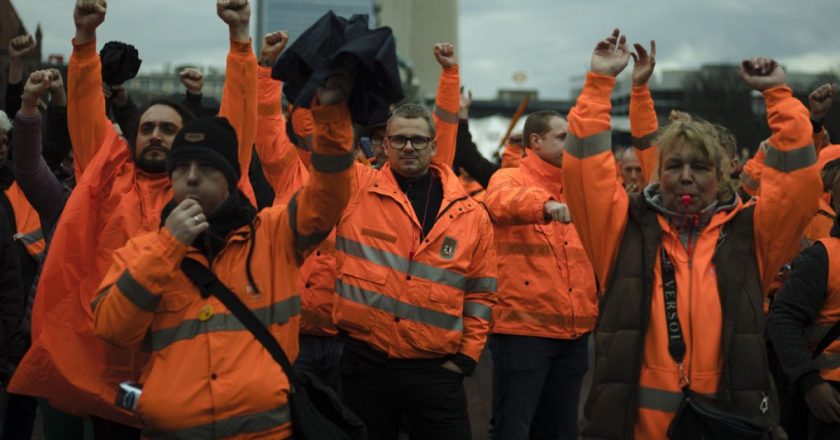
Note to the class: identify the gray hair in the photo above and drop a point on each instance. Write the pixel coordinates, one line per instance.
(414, 111)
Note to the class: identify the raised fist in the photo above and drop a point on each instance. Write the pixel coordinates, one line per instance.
(58, 96)
(643, 63)
(89, 14)
(273, 45)
(192, 79)
(762, 73)
(21, 46)
(820, 101)
(38, 84)
(234, 12)
(611, 55)
(445, 55)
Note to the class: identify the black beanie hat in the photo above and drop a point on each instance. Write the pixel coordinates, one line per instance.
(211, 141)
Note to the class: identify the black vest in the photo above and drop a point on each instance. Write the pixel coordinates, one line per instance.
(624, 317)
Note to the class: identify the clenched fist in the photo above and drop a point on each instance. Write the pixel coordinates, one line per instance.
(445, 55)
(192, 79)
(762, 73)
(88, 15)
(820, 101)
(558, 212)
(237, 15)
(21, 46)
(273, 45)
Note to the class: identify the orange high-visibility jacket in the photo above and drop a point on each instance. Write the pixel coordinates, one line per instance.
(829, 360)
(112, 202)
(28, 223)
(208, 376)
(821, 223)
(546, 283)
(408, 298)
(512, 155)
(643, 128)
(789, 187)
(318, 273)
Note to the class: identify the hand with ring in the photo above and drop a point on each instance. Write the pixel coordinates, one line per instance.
(187, 221)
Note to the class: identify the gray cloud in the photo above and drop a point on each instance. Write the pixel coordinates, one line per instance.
(550, 40)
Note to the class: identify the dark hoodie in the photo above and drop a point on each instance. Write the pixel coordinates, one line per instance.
(795, 307)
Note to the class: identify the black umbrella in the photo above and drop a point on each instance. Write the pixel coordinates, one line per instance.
(120, 62)
(335, 42)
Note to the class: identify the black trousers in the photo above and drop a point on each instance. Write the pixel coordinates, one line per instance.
(104, 429)
(430, 398)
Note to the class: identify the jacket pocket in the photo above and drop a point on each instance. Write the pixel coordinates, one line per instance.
(358, 288)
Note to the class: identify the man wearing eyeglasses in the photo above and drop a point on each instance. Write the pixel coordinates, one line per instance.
(415, 287)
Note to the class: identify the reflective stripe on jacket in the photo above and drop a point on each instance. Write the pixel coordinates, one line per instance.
(599, 205)
(112, 202)
(28, 223)
(546, 284)
(408, 298)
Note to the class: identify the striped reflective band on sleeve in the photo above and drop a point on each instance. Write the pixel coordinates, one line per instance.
(414, 268)
(398, 308)
(661, 400)
(487, 284)
(644, 142)
(324, 163)
(136, 293)
(589, 146)
(446, 116)
(31, 237)
(477, 310)
(248, 423)
(278, 313)
(790, 161)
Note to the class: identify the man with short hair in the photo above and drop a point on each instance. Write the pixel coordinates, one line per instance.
(631, 171)
(416, 277)
(121, 192)
(547, 301)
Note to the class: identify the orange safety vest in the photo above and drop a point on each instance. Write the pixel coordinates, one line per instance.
(829, 360)
(790, 184)
(28, 223)
(112, 202)
(408, 298)
(546, 283)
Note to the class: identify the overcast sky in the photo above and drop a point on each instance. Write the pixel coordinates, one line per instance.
(549, 40)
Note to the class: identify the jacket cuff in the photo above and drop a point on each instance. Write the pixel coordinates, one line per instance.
(170, 248)
(598, 86)
(809, 380)
(465, 363)
(85, 50)
(331, 114)
(775, 95)
(454, 70)
(241, 48)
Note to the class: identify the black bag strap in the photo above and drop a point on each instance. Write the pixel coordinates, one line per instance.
(209, 285)
(676, 343)
(829, 337)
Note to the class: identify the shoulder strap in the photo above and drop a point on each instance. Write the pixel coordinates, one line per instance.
(829, 337)
(209, 284)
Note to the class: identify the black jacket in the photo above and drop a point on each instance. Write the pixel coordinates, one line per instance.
(468, 157)
(795, 307)
(11, 300)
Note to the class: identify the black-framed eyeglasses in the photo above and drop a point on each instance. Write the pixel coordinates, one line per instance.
(398, 142)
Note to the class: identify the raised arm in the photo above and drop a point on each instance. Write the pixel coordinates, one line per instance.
(279, 158)
(790, 182)
(446, 103)
(316, 208)
(596, 199)
(19, 48)
(239, 96)
(819, 104)
(87, 120)
(643, 121)
(510, 201)
(466, 151)
(38, 183)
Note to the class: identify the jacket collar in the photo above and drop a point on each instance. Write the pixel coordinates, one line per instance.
(544, 174)
(386, 184)
(684, 222)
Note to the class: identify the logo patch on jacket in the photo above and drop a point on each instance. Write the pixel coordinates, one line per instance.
(447, 251)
